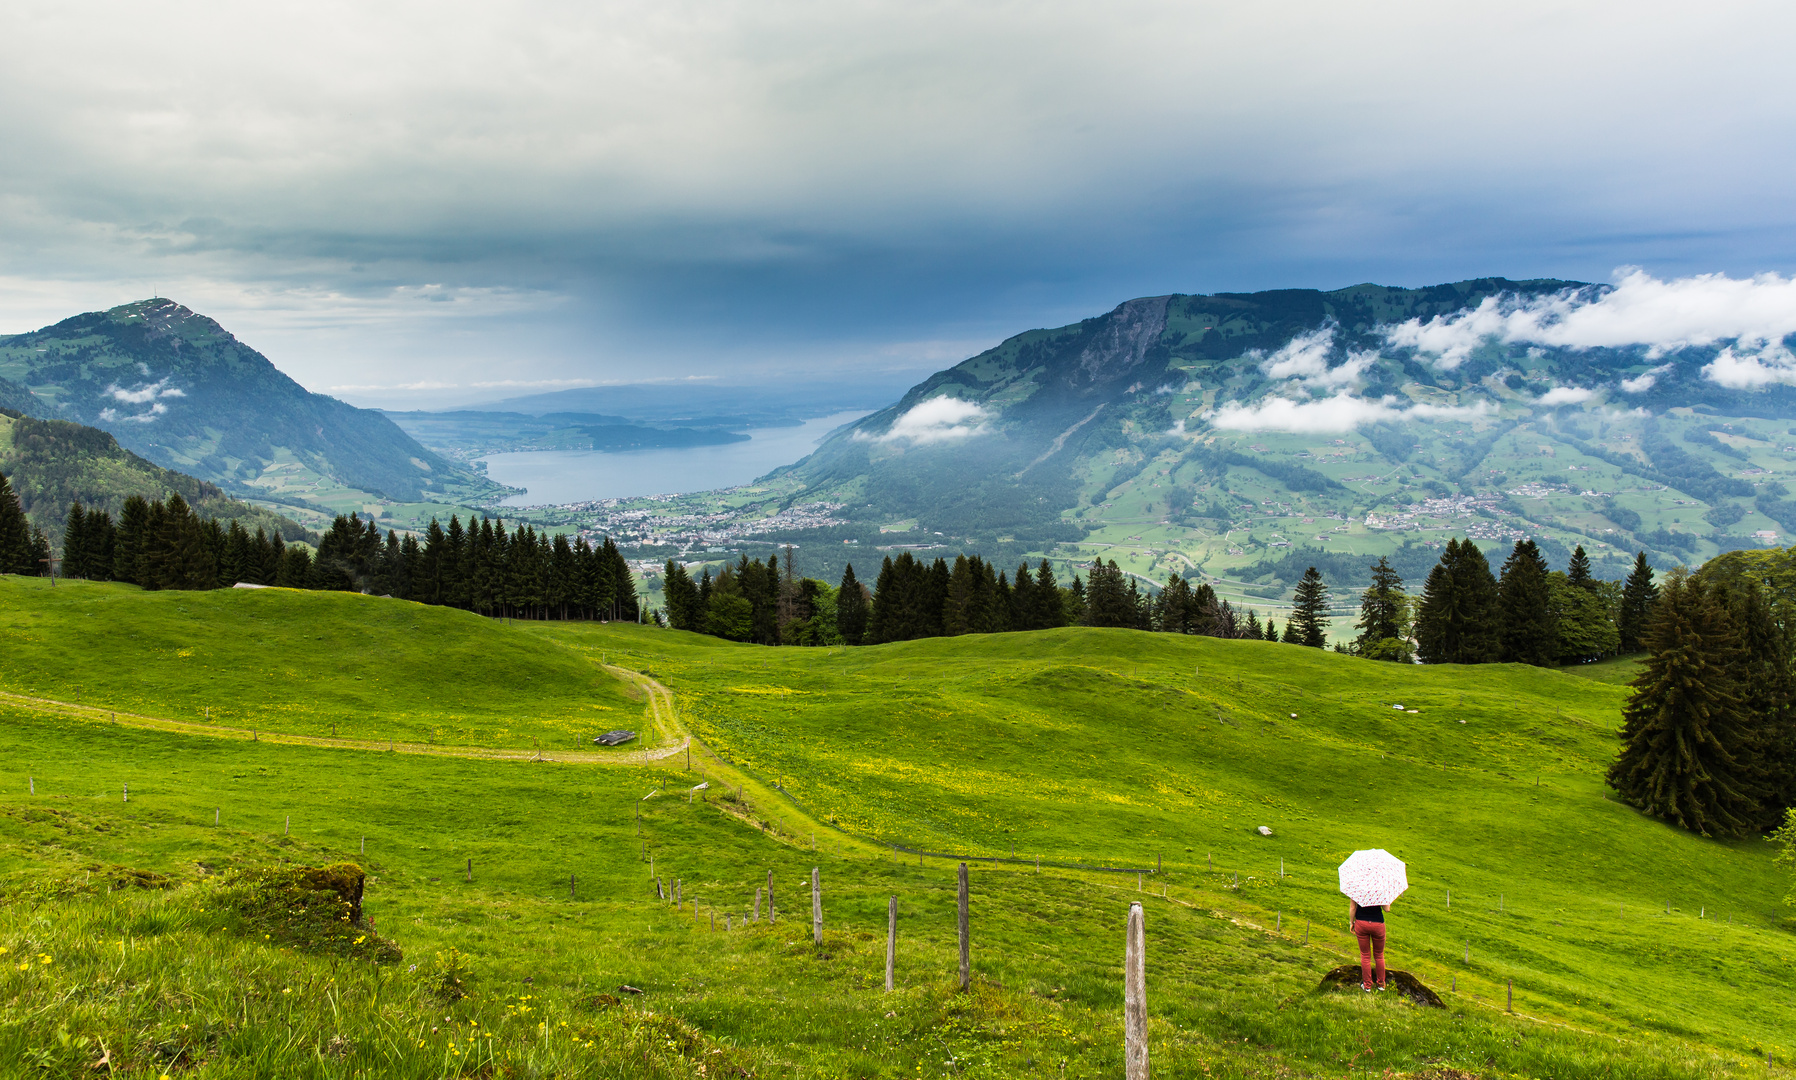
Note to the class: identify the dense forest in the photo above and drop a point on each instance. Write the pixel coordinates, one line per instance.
(767, 603)
(482, 567)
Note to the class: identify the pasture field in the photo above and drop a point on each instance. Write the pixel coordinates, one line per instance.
(1087, 748)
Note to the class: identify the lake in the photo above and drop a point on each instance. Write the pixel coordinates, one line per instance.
(570, 476)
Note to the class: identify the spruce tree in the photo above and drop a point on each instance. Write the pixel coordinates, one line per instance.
(1768, 695)
(16, 547)
(133, 535)
(1577, 572)
(1455, 619)
(1022, 600)
(1524, 607)
(1050, 606)
(1292, 635)
(1309, 610)
(1637, 599)
(1271, 629)
(1686, 741)
(851, 607)
(74, 543)
(682, 597)
(1383, 616)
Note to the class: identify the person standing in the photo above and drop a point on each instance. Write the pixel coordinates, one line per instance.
(1368, 927)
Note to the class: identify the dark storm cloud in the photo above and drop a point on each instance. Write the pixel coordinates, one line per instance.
(446, 194)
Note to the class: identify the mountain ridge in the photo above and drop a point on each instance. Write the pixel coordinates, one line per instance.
(1172, 425)
(181, 391)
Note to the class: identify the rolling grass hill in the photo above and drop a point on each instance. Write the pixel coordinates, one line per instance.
(1088, 748)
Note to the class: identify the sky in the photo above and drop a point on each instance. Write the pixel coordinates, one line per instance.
(409, 204)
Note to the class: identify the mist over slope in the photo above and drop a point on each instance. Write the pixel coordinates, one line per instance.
(1240, 431)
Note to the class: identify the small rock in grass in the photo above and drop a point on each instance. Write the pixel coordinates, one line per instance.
(1264, 831)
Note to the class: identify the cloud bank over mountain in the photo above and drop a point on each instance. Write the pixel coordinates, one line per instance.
(1755, 314)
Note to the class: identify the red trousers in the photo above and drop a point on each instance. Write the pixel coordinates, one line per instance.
(1371, 944)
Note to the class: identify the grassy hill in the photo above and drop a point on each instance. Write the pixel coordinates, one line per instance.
(1088, 748)
(54, 463)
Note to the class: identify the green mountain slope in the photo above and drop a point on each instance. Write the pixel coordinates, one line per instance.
(178, 389)
(52, 464)
(1247, 435)
(1634, 950)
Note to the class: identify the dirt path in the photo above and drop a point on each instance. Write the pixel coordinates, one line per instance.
(666, 738)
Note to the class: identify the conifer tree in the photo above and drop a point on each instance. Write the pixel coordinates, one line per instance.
(1456, 617)
(1074, 603)
(1524, 607)
(1022, 600)
(1685, 737)
(682, 596)
(1292, 635)
(1172, 607)
(851, 607)
(74, 543)
(1637, 599)
(1271, 628)
(296, 568)
(17, 550)
(1383, 617)
(133, 533)
(1577, 572)
(1049, 610)
(1768, 697)
(97, 543)
(1309, 610)
(1253, 630)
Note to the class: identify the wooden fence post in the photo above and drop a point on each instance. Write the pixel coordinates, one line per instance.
(891, 939)
(1510, 1005)
(570, 886)
(1135, 998)
(966, 945)
(769, 896)
(816, 907)
(757, 903)
(470, 871)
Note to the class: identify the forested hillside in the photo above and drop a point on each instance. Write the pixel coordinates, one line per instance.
(54, 464)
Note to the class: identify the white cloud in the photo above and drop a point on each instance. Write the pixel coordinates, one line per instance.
(1306, 357)
(1341, 412)
(942, 419)
(1566, 395)
(1756, 313)
(1644, 381)
(1749, 369)
(112, 415)
(1303, 357)
(144, 394)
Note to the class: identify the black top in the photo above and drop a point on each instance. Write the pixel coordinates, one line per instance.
(1373, 913)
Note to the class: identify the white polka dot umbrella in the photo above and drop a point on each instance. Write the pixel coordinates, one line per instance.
(1373, 877)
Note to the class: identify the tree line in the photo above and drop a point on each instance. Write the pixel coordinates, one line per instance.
(481, 567)
(770, 604)
(23, 549)
(1527, 614)
(1708, 739)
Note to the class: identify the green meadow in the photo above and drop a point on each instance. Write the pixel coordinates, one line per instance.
(1633, 949)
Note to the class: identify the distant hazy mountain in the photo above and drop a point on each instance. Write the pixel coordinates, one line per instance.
(53, 463)
(466, 434)
(1230, 431)
(176, 388)
(770, 402)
